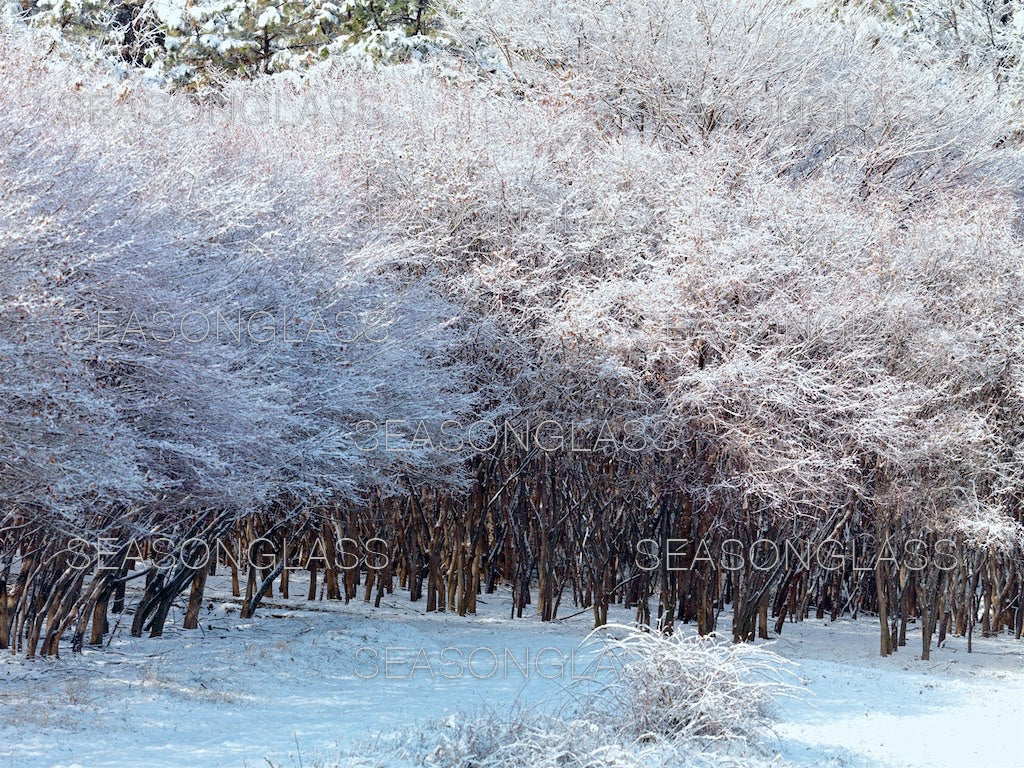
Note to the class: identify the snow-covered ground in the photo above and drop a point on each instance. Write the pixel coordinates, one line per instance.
(306, 683)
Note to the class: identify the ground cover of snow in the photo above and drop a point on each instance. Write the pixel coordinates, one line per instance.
(306, 683)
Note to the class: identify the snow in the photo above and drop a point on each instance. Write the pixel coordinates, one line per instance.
(170, 12)
(270, 17)
(958, 710)
(289, 683)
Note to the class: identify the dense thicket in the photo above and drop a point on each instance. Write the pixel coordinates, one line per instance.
(715, 272)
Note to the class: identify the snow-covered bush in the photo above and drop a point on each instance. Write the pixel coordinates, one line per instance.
(792, 91)
(136, 257)
(690, 687)
(654, 700)
(985, 37)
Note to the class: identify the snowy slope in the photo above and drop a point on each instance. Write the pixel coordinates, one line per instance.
(293, 683)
